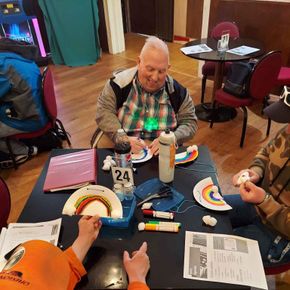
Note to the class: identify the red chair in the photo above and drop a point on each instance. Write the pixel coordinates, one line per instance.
(49, 100)
(209, 66)
(261, 81)
(274, 270)
(5, 203)
(283, 76)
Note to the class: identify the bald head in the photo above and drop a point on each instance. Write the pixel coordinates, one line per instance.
(153, 64)
(154, 43)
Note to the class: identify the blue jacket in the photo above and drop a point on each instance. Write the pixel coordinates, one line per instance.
(21, 105)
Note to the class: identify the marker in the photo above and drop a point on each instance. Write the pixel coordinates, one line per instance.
(164, 223)
(159, 214)
(158, 228)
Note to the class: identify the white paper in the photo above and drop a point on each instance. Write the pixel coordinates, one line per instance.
(195, 49)
(243, 50)
(224, 259)
(18, 233)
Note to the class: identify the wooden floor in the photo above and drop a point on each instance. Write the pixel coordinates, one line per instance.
(77, 90)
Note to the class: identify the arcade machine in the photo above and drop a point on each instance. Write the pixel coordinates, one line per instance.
(17, 25)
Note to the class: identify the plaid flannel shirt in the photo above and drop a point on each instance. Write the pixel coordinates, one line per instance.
(146, 115)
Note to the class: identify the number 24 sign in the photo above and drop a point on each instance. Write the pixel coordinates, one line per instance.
(122, 175)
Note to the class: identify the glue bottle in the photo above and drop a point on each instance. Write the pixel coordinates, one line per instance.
(166, 156)
(122, 149)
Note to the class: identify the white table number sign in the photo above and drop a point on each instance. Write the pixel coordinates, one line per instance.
(122, 175)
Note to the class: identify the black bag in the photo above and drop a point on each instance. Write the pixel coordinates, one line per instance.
(50, 140)
(238, 78)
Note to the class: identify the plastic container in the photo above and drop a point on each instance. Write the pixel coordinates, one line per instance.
(122, 149)
(128, 212)
(128, 190)
(118, 189)
(166, 156)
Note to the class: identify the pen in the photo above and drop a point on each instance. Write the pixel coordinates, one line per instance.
(159, 214)
(164, 223)
(158, 228)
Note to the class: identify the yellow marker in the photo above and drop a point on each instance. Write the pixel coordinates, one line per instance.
(158, 227)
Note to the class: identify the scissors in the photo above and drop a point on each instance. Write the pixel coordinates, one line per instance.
(164, 191)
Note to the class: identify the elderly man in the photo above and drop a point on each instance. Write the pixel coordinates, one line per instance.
(145, 100)
(262, 210)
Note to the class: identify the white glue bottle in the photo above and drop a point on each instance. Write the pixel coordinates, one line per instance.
(166, 156)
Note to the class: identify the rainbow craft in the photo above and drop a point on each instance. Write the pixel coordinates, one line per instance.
(142, 156)
(206, 194)
(185, 157)
(94, 200)
(83, 201)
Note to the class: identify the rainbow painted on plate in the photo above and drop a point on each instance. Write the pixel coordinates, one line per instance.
(211, 197)
(185, 157)
(83, 201)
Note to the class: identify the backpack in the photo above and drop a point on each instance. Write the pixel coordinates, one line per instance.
(237, 80)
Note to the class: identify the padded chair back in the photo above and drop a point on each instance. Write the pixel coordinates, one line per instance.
(5, 203)
(264, 75)
(221, 27)
(49, 94)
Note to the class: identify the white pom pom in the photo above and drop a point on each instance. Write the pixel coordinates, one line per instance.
(191, 148)
(109, 158)
(106, 166)
(245, 176)
(141, 226)
(209, 220)
(146, 205)
(69, 210)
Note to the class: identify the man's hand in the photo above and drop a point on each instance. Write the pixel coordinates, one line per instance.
(154, 146)
(137, 144)
(252, 193)
(138, 266)
(254, 177)
(89, 228)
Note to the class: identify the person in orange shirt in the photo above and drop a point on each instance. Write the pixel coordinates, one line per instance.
(37, 264)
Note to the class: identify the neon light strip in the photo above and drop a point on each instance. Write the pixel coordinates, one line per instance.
(38, 36)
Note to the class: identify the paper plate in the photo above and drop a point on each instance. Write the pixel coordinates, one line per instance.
(185, 157)
(144, 155)
(206, 197)
(92, 200)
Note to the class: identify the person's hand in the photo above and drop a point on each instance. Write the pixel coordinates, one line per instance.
(254, 177)
(89, 228)
(138, 266)
(137, 144)
(154, 146)
(252, 193)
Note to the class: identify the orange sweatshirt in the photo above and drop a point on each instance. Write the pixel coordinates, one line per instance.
(38, 265)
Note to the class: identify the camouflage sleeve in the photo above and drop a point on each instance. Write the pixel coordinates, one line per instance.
(260, 161)
(106, 116)
(186, 121)
(277, 214)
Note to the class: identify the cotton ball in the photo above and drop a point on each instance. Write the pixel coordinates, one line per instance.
(69, 210)
(245, 176)
(209, 220)
(191, 148)
(106, 166)
(146, 205)
(109, 158)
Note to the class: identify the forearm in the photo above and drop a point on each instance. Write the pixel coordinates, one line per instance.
(276, 214)
(137, 286)
(186, 121)
(106, 116)
(76, 266)
(260, 161)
